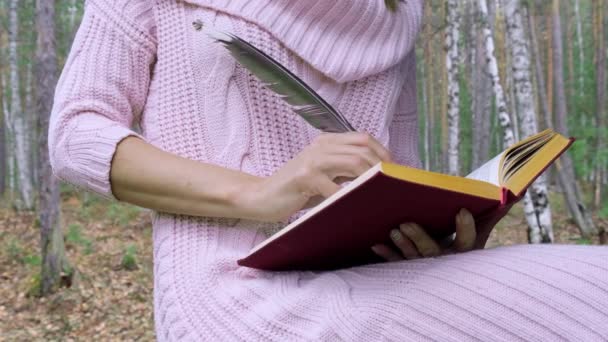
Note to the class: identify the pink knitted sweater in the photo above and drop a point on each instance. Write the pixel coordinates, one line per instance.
(140, 62)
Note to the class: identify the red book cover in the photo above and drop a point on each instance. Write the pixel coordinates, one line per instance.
(340, 233)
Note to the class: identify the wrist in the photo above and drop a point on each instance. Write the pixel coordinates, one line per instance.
(245, 197)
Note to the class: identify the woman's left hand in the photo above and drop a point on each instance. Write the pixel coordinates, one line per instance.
(413, 242)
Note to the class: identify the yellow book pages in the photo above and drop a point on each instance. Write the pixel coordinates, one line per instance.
(443, 181)
(520, 180)
(512, 153)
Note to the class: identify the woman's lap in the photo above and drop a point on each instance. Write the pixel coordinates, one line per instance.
(526, 292)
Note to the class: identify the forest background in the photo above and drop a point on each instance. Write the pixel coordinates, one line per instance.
(490, 72)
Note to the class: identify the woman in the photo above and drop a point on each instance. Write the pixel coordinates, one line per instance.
(224, 163)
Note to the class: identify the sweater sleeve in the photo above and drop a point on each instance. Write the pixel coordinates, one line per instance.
(101, 90)
(403, 129)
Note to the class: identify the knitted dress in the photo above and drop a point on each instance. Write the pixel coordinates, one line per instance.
(139, 62)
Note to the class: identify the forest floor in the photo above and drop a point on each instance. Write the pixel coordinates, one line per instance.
(110, 244)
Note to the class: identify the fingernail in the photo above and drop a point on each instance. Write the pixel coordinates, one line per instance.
(407, 228)
(467, 217)
(459, 217)
(396, 235)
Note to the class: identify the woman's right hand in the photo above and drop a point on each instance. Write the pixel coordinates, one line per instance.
(314, 174)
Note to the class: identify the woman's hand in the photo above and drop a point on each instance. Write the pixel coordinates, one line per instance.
(412, 242)
(314, 174)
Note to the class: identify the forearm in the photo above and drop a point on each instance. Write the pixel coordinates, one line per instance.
(152, 178)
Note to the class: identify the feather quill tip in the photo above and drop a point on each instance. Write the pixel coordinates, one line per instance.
(211, 32)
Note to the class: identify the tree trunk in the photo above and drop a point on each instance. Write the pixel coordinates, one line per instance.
(3, 142)
(538, 210)
(453, 106)
(600, 67)
(18, 115)
(501, 107)
(56, 270)
(3, 135)
(10, 150)
(567, 177)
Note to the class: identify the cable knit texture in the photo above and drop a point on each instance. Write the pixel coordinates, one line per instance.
(140, 62)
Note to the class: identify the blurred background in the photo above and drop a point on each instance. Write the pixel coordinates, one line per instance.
(74, 266)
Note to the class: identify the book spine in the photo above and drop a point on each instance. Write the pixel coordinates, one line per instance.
(504, 196)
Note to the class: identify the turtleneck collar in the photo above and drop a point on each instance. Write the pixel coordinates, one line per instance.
(344, 39)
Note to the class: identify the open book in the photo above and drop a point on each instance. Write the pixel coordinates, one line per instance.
(340, 231)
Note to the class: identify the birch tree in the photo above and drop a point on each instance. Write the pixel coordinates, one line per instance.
(22, 143)
(537, 207)
(10, 150)
(492, 67)
(3, 134)
(3, 141)
(453, 106)
(56, 270)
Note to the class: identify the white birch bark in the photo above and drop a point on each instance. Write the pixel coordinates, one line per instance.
(17, 114)
(503, 115)
(10, 148)
(452, 59)
(492, 66)
(538, 210)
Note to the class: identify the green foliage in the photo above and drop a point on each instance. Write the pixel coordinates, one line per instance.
(74, 238)
(32, 260)
(391, 5)
(17, 253)
(14, 250)
(583, 241)
(35, 285)
(122, 213)
(129, 258)
(604, 211)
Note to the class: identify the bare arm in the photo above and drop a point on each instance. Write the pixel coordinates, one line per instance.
(149, 177)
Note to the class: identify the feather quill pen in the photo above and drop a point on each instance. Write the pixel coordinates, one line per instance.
(302, 98)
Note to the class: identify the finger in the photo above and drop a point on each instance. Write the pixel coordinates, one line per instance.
(340, 180)
(361, 139)
(325, 186)
(368, 140)
(386, 252)
(426, 246)
(405, 245)
(465, 231)
(344, 165)
(367, 153)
